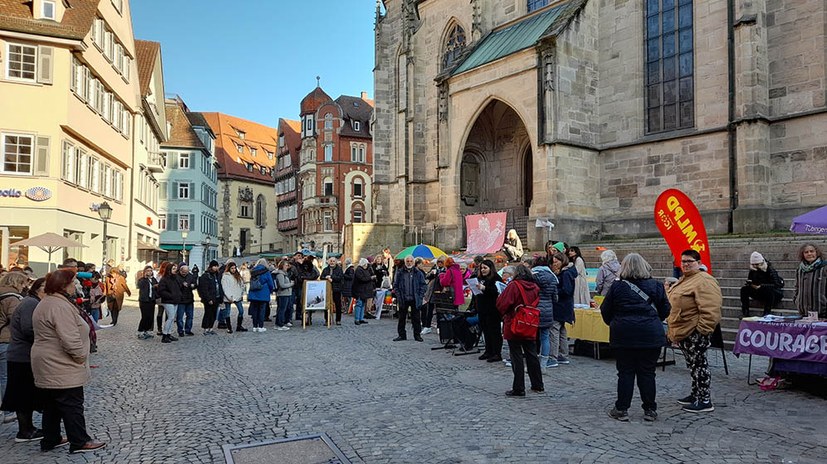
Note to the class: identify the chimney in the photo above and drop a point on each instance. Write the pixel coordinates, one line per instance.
(364, 96)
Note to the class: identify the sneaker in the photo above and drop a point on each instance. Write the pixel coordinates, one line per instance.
(650, 415)
(622, 416)
(552, 362)
(37, 434)
(91, 445)
(262, 329)
(563, 360)
(426, 331)
(699, 406)
(289, 324)
(686, 401)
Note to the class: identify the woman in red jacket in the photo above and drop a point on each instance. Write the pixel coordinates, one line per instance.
(452, 277)
(507, 303)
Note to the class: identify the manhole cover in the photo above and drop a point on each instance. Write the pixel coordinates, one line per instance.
(311, 449)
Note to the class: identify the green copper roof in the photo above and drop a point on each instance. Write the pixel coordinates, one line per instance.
(520, 35)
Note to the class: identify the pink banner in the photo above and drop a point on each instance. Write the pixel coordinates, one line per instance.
(485, 232)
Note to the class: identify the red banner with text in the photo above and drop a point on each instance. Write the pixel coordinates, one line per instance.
(681, 225)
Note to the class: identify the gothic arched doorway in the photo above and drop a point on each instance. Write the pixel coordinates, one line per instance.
(496, 166)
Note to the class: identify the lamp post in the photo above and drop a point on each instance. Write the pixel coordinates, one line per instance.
(105, 213)
(184, 245)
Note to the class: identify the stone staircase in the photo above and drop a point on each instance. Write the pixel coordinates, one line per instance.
(730, 265)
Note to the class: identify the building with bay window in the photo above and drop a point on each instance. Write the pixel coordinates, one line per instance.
(288, 200)
(69, 93)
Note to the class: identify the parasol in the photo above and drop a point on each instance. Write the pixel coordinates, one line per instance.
(50, 243)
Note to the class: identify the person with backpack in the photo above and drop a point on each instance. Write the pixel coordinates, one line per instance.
(634, 310)
(607, 273)
(261, 286)
(763, 284)
(521, 293)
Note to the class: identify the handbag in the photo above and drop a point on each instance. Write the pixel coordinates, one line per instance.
(526, 321)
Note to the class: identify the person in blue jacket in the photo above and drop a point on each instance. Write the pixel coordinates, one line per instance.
(634, 310)
(564, 308)
(259, 294)
(547, 282)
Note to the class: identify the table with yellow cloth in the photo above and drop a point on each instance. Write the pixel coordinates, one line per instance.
(588, 326)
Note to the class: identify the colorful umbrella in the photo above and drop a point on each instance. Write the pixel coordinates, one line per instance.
(421, 251)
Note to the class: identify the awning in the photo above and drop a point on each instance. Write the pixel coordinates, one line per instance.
(146, 246)
(175, 247)
(520, 35)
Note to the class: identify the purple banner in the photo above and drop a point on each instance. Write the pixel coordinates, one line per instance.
(800, 342)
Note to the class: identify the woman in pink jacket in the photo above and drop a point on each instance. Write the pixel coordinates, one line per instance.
(452, 277)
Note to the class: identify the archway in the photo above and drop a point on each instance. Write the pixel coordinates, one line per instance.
(496, 170)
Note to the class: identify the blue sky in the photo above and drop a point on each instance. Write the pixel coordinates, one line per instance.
(256, 59)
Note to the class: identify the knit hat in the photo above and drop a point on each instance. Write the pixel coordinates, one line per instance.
(560, 247)
(756, 258)
(213, 263)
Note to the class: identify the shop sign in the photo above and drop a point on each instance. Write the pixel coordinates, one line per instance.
(34, 193)
(11, 193)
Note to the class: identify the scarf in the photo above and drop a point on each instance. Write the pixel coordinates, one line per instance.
(815, 265)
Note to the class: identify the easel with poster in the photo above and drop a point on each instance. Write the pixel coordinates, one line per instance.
(317, 296)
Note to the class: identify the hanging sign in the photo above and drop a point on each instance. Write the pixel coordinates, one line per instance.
(681, 225)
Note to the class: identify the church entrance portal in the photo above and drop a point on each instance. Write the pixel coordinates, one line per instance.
(496, 169)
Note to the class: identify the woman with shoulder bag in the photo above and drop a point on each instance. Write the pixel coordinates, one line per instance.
(521, 291)
(634, 309)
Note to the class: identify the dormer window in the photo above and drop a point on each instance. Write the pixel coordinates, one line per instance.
(253, 152)
(356, 125)
(241, 134)
(239, 148)
(48, 10)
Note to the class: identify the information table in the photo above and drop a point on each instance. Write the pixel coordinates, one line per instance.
(588, 326)
(800, 348)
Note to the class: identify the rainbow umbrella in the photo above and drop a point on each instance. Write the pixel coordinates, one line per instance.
(421, 251)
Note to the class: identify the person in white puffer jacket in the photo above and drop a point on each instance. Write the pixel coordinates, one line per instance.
(233, 285)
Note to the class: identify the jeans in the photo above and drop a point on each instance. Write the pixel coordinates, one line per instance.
(67, 405)
(225, 313)
(96, 314)
(527, 349)
(257, 309)
(4, 373)
(359, 310)
(282, 314)
(170, 310)
(545, 341)
(640, 364)
(184, 308)
(288, 314)
(559, 340)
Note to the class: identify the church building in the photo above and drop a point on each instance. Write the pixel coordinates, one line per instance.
(582, 112)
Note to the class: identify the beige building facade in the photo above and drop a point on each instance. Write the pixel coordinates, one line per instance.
(68, 95)
(583, 112)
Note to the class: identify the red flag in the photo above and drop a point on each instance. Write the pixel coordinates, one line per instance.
(681, 225)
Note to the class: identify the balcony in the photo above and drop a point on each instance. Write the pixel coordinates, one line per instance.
(156, 162)
(286, 197)
(288, 225)
(319, 202)
(328, 200)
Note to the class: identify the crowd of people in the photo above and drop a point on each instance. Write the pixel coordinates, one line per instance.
(48, 325)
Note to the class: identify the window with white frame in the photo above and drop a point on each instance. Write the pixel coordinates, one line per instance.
(328, 152)
(308, 126)
(183, 191)
(328, 121)
(98, 33)
(354, 153)
(107, 181)
(358, 187)
(183, 161)
(356, 125)
(328, 221)
(17, 152)
(83, 169)
(95, 173)
(68, 173)
(162, 221)
(109, 45)
(21, 62)
(362, 153)
(183, 222)
(48, 10)
(118, 4)
(358, 216)
(253, 152)
(117, 181)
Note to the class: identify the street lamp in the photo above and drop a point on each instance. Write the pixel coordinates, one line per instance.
(207, 257)
(105, 213)
(184, 246)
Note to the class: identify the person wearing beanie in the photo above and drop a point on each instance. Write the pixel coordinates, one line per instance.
(209, 290)
(763, 285)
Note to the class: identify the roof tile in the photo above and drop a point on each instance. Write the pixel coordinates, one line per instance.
(16, 15)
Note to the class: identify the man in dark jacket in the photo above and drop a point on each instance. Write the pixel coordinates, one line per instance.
(409, 289)
(187, 283)
(294, 273)
(763, 284)
(333, 274)
(211, 294)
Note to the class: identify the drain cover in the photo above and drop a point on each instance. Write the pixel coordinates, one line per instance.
(311, 449)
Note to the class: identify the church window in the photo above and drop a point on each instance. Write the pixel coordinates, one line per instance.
(454, 46)
(536, 4)
(670, 89)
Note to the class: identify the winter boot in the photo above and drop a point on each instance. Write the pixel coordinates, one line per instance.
(228, 325)
(239, 327)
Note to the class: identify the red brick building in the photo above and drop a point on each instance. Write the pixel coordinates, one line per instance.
(335, 166)
(288, 200)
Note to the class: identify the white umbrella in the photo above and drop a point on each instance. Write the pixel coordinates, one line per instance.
(50, 243)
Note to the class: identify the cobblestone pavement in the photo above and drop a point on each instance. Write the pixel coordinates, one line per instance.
(386, 402)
